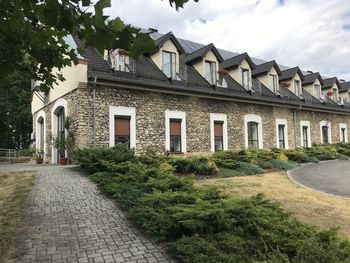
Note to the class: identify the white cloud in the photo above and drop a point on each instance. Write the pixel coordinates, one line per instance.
(311, 34)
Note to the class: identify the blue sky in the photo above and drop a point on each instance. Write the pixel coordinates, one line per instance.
(312, 34)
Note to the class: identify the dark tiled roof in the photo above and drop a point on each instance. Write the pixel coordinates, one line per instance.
(236, 61)
(161, 40)
(200, 53)
(345, 86)
(312, 77)
(328, 83)
(266, 67)
(290, 73)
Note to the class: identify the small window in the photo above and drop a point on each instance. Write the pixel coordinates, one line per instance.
(343, 135)
(273, 83)
(218, 135)
(281, 136)
(210, 72)
(175, 135)
(122, 129)
(245, 78)
(169, 64)
(305, 136)
(325, 132)
(297, 88)
(317, 91)
(253, 134)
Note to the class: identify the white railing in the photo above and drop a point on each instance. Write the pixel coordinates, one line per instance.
(8, 155)
(120, 61)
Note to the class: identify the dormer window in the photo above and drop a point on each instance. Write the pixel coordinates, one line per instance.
(335, 95)
(210, 71)
(273, 83)
(120, 60)
(297, 88)
(317, 91)
(169, 64)
(245, 79)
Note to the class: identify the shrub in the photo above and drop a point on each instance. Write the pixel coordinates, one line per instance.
(313, 159)
(297, 156)
(322, 152)
(281, 156)
(283, 165)
(342, 157)
(225, 173)
(248, 168)
(196, 165)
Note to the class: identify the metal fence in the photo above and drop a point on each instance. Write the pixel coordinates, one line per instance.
(8, 155)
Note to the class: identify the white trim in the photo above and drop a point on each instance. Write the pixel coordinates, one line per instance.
(257, 119)
(285, 123)
(122, 111)
(40, 114)
(175, 115)
(218, 117)
(328, 124)
(343, 125)
(59, 103)
(305, 123)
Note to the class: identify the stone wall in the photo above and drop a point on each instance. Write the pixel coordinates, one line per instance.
(150, 118)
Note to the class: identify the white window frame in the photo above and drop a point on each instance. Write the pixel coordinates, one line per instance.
(59, 103)
(307, 124)
(175, 115)
(285, 123)
(343, 125)
(122, 111)
(248, 86)
(257, 119)
(297, 88)
(40, 114)
(218, 117)
(328, 124)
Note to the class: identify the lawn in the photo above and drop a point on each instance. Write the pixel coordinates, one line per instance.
(14, 189)
(312, 207)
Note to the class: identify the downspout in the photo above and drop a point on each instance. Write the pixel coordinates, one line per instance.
(94, 112)
(295, 124)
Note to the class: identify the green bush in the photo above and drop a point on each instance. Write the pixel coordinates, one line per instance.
(313, 159)
(342, 157)
(196, 165)
(322, 152)
(248, 168)
(225, 173)
(283, 165)
(298, 156)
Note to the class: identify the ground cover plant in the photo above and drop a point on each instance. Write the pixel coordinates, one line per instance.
(202, 224)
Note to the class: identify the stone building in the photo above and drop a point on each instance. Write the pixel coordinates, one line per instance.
(188, 98)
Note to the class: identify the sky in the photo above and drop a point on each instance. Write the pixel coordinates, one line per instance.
(311, 34)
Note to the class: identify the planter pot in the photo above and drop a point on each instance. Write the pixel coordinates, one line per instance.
(64, 161)
(39, 161)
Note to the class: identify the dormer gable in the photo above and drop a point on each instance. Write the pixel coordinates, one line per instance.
(206, 61)
(344, 91)
(240, 69)
(312, 83)
(331, 88)
(268, 74)
(167, 55)
(292, 79)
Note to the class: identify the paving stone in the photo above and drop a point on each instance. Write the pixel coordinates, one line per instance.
(67, 219)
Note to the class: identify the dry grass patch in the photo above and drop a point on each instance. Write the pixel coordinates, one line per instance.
(312, 207)
(14, 189)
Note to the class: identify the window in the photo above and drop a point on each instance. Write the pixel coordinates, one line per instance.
(245, 78)
(281, 130)
(210, 72)
(175, 131)
(335, 95)
(325, 134)
(297, 88)
(273, 83)
(317, 91)
(305, 136)
(175, 135)
(41, 134)
(169, 64)
(253, 134)
(219, 135)
(120, 60)
(343, 130)
(60, 132)
(122, 130)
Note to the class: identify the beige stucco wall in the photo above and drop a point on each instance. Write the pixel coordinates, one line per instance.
(73, 75)
(200, 66)
(158, 57)
(236, 72)
(345, 96)
(264, 79)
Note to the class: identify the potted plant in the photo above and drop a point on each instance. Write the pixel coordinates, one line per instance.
(330, 93)
(39, 157)
(223, 72)
(60, 145)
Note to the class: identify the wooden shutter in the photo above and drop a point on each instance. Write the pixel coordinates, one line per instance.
(218, 128)
(175, 127)
(122, 125)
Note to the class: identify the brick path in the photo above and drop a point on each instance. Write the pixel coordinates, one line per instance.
(68, 220)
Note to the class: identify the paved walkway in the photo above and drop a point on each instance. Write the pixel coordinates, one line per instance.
(329, 177)
(68, 220)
